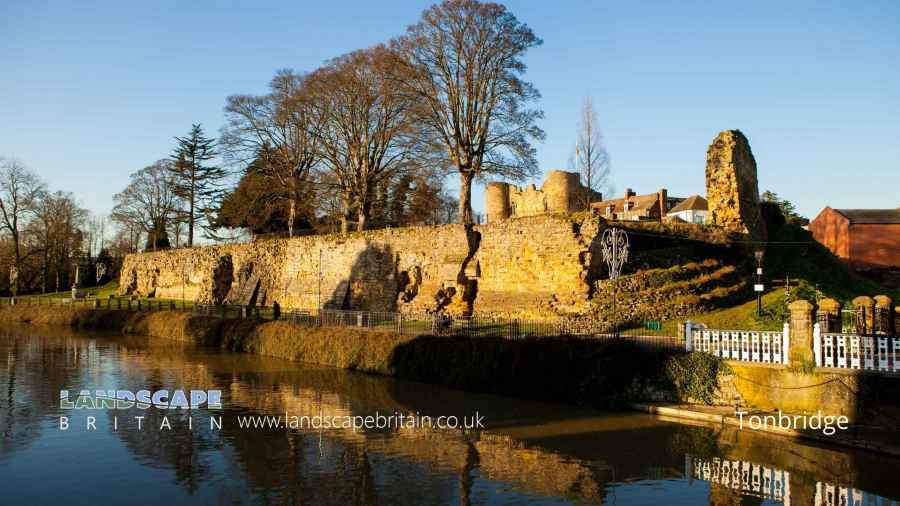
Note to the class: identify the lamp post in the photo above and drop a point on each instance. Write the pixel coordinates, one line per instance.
(614, 248)
(758, 287)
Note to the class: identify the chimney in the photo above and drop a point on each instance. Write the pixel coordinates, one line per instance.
(663, 202)
(629, 193)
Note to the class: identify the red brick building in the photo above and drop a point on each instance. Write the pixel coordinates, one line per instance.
(865, 238)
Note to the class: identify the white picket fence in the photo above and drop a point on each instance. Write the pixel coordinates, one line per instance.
(743, 345)
(851, 351)
(828, 494)
(747, 478)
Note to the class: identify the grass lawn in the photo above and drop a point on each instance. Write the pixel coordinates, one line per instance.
(743, 317)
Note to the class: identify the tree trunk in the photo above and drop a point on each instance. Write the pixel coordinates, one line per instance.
(361, 219)
(190, 241)
(465, 197)
(345, 213)
(18, 259)
(292, 212)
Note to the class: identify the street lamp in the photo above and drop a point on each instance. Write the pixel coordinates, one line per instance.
(758, 287)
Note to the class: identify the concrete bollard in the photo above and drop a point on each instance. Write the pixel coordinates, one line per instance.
(801, 331)
(867, 306)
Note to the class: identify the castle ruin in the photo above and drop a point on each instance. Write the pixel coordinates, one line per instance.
(562, 192)
(732, 189)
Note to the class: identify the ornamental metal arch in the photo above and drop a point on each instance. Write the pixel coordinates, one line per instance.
(614, 248)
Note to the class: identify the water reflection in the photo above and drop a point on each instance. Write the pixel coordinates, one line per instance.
(530, 452)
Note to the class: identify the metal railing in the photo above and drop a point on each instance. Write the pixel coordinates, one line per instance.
(650, 334)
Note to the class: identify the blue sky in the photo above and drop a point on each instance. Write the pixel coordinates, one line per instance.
(92, 91)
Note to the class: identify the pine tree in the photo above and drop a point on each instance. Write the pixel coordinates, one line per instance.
(197, 184)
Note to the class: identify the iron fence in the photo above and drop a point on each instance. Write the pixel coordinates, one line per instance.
(651, 334)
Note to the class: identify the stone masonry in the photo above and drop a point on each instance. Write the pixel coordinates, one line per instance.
(562, 192)
(536, 267)
(732, 189)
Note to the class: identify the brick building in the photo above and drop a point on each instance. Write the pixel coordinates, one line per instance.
(867, 239)
(633, 207)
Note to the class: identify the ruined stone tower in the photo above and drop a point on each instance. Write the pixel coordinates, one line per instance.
(732, 189)
(497, 204)
(562, 192)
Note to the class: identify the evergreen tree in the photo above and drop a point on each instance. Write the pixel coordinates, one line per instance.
(197, 184)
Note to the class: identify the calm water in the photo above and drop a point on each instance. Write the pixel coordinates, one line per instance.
(529, 453)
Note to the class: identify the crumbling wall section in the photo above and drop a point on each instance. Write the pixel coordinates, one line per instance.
(732, 189)
(531, 267)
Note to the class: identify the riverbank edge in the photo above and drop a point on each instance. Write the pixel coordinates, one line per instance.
(581, 372)
(577, 372)
(721, 415)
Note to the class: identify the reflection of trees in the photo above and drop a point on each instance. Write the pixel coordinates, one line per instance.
(35, 369)
(187, 451)
(533, 449)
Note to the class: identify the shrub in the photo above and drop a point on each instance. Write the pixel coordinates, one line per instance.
(695, 376)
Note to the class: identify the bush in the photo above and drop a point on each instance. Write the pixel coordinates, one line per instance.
(695, 376)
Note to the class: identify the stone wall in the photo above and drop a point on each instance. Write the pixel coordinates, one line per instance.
(562, 192)
(532, 267)
(732, 189)
(535, 266)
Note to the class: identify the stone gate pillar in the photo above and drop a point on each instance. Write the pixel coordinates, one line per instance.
(801, 331)
(829, 315)
(883, 318)
(867, 306)
(897, 320)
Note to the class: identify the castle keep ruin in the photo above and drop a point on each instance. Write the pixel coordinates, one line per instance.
(544, 265)
(562, 192)
(732, 189)
(732, 195)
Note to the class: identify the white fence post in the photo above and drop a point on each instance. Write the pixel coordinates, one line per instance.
(688, 336)
(785, 342)
(817, 344)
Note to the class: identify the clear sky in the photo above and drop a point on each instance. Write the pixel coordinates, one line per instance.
(92, 91)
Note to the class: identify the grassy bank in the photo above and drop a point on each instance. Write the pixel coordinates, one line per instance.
(77, 318)
(575, 371)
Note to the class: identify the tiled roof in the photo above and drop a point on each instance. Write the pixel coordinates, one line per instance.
(861, 216)
(692, 203)
(641, 202)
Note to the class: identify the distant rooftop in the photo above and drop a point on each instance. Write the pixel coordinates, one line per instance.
(692, 203)
(862, 216)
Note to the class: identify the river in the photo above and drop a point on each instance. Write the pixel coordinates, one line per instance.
(527, 452)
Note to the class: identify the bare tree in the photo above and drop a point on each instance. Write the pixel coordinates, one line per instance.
(148, 203)
(463, 60)
(366, 135)
(58, 234)
(279, 129)
(590, 160)
(19, 191)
